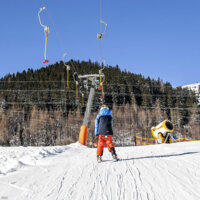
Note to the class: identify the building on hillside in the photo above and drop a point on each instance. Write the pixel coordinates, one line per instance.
(195, 87)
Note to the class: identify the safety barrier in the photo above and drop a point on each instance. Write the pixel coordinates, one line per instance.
(149, 141)
(183, 140)
(144, 141)
(139, 141)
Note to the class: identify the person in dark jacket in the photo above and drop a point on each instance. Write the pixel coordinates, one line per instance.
(104, 132)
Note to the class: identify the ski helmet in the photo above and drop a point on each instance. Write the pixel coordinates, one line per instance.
(104, 107)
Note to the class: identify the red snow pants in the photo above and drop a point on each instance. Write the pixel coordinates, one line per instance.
(102, 139)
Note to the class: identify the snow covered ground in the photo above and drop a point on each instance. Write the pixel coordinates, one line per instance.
(157, 172)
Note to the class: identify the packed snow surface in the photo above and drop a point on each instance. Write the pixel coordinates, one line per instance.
(157, 172)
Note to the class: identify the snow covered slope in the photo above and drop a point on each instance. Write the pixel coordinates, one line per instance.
(166, 171)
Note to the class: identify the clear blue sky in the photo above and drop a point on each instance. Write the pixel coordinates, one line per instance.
(156, 38)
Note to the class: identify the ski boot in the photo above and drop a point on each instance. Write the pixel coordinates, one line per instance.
(99, 159)
(114, 155)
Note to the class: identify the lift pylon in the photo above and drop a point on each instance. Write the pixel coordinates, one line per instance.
(84, 128)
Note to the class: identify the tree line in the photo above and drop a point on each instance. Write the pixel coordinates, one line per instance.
(37, 109)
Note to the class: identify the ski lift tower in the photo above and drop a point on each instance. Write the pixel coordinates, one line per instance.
(93, 78)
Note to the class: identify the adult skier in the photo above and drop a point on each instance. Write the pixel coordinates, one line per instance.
(104, 132)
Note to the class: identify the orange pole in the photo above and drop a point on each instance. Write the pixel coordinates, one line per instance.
(83, 135)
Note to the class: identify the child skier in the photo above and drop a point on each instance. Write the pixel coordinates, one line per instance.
(104, 132)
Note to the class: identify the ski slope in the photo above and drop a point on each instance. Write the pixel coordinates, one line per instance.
(157, 172)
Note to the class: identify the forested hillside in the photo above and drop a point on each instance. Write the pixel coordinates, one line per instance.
(37, 109)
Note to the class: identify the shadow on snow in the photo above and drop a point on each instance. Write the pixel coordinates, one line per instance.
(159, 156)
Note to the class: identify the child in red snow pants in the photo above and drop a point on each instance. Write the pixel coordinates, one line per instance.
(102, 140)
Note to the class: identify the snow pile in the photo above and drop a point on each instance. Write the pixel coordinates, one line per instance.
(161, 172)
(13, 158)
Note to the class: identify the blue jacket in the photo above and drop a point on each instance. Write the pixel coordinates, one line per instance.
(103, 123)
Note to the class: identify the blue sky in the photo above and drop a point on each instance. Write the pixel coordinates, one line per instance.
(156, 38)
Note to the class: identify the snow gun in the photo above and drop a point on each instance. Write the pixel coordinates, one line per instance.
(162, 132)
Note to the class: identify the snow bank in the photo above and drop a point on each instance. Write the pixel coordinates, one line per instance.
(13, 158)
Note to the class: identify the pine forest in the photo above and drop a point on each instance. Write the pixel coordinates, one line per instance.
(36, 108)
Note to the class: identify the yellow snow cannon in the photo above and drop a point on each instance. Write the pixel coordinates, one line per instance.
(162, 132)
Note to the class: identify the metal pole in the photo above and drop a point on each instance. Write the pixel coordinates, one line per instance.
(84, 128)
(89, 103)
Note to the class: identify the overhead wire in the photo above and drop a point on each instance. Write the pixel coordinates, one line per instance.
(78, 84)
(99, 36)
(113, 93)
(58, 35)
(144, 85)
(61, 44)
(100, 42)
(139, 107)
